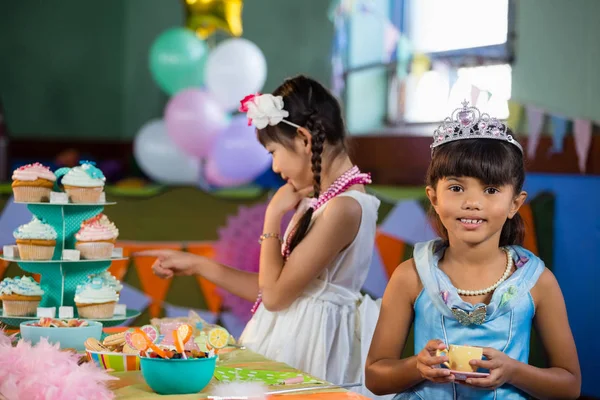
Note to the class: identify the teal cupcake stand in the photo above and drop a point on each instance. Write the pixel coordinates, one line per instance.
(59, 278)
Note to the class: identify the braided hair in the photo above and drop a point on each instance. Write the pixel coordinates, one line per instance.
(312, 106)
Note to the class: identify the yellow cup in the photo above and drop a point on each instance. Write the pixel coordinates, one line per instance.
(459, 357)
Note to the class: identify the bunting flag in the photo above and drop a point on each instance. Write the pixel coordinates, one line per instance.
(13, 215)
(420, 64)
(559, 131)
(119, 268)
(209, 289)
(134, 298)
(515, 115)
(154, 286)
(408, 222)
(232, 323)
(475, 91)
(3, 267)
(391, 251)
(535, 123)
(377, 279)
(582, 130)
(530, 240)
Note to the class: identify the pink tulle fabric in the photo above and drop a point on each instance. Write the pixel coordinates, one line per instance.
(238, 247)
(43, 372)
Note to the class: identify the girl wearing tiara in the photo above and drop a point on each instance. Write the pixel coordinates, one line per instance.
(309, 312)
(476, 286)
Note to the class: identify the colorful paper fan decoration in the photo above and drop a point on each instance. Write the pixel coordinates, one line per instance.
(238, 247)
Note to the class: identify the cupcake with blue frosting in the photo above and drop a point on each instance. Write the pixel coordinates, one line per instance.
(20, 296)
(107, 278)
(36, 240)
(96, 299)
(84, 183)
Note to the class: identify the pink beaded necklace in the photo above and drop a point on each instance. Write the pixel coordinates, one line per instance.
(348, 179)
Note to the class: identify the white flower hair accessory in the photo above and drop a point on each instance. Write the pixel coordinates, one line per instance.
(264, 109)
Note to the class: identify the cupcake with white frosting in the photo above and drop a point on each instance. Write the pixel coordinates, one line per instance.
(107, 278)
(95, 299)
(83, 184)
(36, 240)
(96, 238)
(32, 183)
(20, 296)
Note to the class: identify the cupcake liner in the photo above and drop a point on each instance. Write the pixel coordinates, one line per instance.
(20, 308)
(84, 194)
(95, 250)
(92, 311)
(32, 194)
(35, 252)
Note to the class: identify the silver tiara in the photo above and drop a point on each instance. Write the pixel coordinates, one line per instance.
(468, 123)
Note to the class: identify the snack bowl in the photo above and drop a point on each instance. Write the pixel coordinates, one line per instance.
(66, 337)
(118, 362)
(178, 376)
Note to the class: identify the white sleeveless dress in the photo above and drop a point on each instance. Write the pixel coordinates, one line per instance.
(327, 331)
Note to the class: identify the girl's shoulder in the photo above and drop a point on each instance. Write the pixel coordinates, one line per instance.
(405, 278)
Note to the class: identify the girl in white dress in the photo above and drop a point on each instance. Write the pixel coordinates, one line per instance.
(309, 312)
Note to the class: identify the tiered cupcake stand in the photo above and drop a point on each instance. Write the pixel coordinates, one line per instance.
(59, 278)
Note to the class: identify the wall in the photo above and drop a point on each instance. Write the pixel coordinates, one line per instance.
(557, 56)
(73, 70)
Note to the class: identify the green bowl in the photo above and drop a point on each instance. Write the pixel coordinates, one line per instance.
(68, 338)
(177, 376)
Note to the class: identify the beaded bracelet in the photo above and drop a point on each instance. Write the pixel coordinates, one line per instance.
(265, 236)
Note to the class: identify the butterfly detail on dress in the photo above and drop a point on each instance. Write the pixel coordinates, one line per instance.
(476, 317)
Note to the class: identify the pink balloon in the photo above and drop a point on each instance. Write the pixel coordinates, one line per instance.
(212, 176)
(194, 119)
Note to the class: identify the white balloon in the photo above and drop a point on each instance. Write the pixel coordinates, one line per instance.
(235, 69)
(161, 159)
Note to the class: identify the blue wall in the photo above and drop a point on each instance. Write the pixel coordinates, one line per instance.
(577, 260)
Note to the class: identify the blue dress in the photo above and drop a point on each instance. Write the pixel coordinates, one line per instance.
(505, 323)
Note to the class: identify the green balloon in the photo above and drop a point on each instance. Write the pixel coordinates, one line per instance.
(177, 60)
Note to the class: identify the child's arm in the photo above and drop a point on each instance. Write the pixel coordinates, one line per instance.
(562, 380)
(385, 371)
(331, 232)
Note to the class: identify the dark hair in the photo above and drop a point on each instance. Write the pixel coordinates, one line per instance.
(313, 107)
(493, 162)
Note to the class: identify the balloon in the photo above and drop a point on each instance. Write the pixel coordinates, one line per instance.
(160, 159)
(206, 16)
(194, 120)
(235, 68)
(238, 156)
(177, 60)
(213, 177)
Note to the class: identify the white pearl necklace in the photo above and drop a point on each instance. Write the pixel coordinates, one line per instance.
(489, 289)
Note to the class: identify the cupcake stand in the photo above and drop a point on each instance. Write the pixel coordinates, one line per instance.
(59, 278)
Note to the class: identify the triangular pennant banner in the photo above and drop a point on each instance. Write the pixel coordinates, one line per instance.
(233, 324)
(11, 217)
(134, 298)
(408, 222)
(559, 131)
(377, 279)
(475, 91)
(209, 289)
(3, 267)
(530, 240)
(515, 114)
(535, 122)
(119, 268)
(152, 285)
(391, 251)
(583, 140)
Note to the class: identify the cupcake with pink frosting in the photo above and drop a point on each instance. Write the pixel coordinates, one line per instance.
(32, 183)
(96, 238)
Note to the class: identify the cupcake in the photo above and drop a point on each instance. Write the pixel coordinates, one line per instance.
(83, 184)
(95, 299)
(33, 183)
(35, 240)
(96, 238)
(107, 278)
(20, 296)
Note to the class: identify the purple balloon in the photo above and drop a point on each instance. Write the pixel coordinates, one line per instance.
(238, 155)
(194, 120)
(212, 176)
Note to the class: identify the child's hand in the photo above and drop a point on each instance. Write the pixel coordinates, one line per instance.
(286, 199)
(427, 361)
(501, 369)
(170, 262)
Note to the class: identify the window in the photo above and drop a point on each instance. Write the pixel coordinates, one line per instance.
(468, 43)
